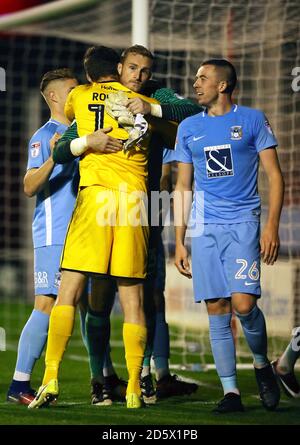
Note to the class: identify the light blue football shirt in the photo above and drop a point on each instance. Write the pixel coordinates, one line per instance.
(55, 202)
(168, 156)
(224, 153)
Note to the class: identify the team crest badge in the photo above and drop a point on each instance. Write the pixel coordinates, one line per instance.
(35, 149)
(268, 127)
(236, 133)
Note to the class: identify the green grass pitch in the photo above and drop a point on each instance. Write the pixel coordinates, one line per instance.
(73, 406)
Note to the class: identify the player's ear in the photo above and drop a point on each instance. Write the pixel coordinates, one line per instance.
(119, 68)
(223, 86)
(53, 96)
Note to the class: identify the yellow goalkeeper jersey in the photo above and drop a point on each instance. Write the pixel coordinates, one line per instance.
(86, 104)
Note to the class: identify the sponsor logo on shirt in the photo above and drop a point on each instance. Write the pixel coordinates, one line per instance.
(218, 161)
(268, 127)
(198, 138)
(35, 149)
(57, 279)
(41, 279)
(236, 133)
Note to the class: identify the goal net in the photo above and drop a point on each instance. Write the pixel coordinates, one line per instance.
(261, 38)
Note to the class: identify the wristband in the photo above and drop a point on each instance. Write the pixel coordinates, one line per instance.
(78, 146)
(156, 110)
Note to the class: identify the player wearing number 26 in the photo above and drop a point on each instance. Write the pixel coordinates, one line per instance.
(221, 148)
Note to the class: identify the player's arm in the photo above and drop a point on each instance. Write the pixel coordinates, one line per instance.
(36, 178)
(269, 241)
(166, 178)
(61, 152)
(171, 107)
(174, 107)
(71, 146)
(182, 203)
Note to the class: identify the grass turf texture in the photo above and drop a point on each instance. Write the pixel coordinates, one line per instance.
(73, 406)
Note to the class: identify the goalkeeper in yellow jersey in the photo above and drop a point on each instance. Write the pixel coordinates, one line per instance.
(108, 232)
(135, 70)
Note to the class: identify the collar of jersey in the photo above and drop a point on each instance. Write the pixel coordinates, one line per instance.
(108, 81)
(232, 110)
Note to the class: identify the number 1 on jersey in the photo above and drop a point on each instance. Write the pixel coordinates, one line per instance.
(99, 115)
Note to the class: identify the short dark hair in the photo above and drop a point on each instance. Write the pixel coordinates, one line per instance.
(227, 70)
(59, 74)
(136, 49)
(100, 61)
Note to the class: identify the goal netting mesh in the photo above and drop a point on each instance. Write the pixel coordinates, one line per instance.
(261, 38)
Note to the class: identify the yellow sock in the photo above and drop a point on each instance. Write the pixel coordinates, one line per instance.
(134, 337)
(60, 330)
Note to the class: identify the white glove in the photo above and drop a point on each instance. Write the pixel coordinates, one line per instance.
(136, 126)
(115, 106)
(137, 133)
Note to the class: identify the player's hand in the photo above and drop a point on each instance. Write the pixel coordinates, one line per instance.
(138, 105)
(53, 140)
(100, 142)
(269, 244)
(182, 262)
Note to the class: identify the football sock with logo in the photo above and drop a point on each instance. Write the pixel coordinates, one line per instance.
(254, 327)
(288, 359)
(223, 350)
(134, 337)
(97, 336)
(161, 346)
(60, 330)
(31, 344)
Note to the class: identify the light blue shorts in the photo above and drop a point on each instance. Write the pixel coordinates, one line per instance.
(46, 270)
(226, 259)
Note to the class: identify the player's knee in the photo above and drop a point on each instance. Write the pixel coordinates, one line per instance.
(44, 303)
(243, 304)
(243, 309)
(135, 305)
(71, 288)
(102, 307)
(218, 306)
